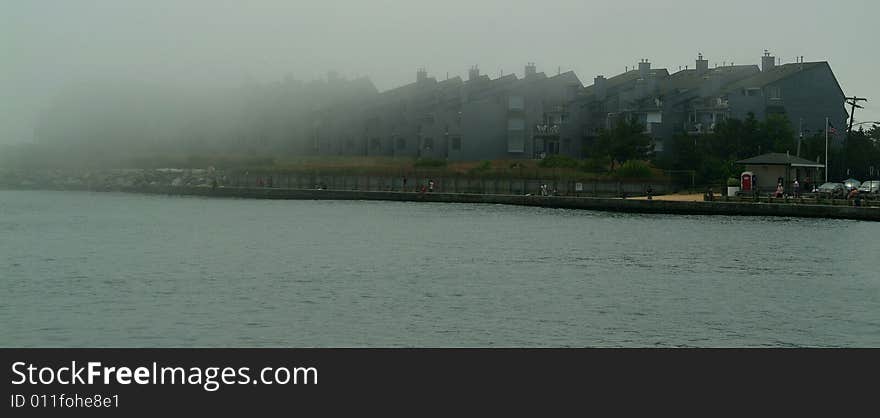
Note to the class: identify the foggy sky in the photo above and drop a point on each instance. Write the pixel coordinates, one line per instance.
(46, 45)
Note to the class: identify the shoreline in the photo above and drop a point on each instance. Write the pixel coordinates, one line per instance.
(656, 206)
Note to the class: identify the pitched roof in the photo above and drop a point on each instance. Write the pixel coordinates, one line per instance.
(568, 76)
(615, 81)
(622, 79)
(778, 158)
(688, 79)
(778, 73)
(448, 81)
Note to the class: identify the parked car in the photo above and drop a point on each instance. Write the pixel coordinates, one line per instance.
(872, 186)
(832, 190)
(850, 184)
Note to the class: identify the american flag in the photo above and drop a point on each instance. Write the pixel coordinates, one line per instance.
(831, 129)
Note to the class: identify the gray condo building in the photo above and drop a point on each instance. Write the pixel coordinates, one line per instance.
(474, 119)
(694, 101)
(539, 115)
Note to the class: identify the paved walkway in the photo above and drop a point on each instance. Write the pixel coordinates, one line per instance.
(677, 197)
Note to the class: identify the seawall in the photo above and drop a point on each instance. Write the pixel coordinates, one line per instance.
(588, 203)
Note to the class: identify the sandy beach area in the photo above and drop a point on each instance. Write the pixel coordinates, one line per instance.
(676, 197)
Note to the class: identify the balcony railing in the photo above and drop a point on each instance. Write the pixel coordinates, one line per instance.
(546, 130)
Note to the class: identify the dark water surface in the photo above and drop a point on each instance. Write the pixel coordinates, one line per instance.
(104, 269)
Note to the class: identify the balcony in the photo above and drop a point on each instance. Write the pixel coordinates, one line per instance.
(775, 105)
(699, 128)
(547, 130)
(717, 103)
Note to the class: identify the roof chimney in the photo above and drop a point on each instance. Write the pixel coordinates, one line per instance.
(421, 75)
(702, 65)
(600, 87)
(474, 73)
(644, 69)
(531, 70)
(768, 62)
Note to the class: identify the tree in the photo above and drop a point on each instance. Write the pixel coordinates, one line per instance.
(813, 148)
(861, 154)
(752, 142)
(738, 139)
(776, 131)
(713, 157)
(625, 141)
(874, 133)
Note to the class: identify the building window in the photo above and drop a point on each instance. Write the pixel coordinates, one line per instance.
(516, 124)
(515, 103)
(428, 143)
(456, 143)
(516, 141)
(775, 93)
(401, 143)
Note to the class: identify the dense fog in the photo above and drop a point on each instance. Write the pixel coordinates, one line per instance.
(102, 80)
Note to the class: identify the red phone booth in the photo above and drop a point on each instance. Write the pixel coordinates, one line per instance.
(746, 184)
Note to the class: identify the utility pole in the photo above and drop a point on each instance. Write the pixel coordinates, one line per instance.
(854, 102)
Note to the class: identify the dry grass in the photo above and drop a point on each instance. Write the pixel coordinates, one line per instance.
(370, 166)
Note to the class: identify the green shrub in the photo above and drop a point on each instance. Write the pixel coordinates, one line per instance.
(429, 162)
(482, 168)
(559, 161)
(732, 182)
(595, 165)
(633, 169)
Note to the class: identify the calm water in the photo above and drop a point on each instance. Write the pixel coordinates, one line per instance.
(104, 269)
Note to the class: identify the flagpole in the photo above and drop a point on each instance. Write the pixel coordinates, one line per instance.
(800, 137)
(826, 149)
